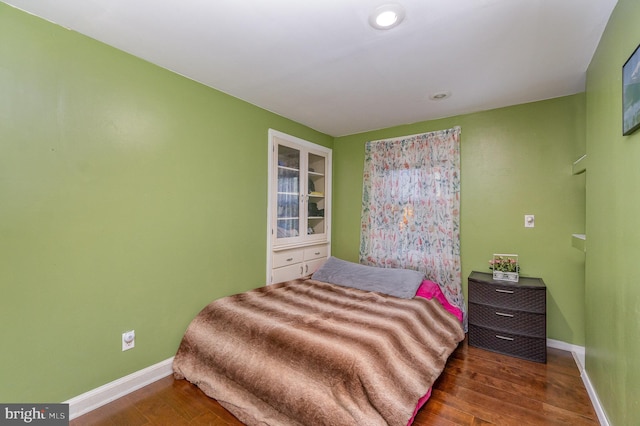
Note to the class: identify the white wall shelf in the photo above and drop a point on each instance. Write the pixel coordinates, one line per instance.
(579, 241)
(580, 165)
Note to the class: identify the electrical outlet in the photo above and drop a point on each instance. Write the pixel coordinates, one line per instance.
(128, 340)
(529, 221)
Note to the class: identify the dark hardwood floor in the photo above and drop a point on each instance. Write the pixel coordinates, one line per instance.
(477, 388)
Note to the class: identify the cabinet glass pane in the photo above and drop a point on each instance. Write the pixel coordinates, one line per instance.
(288, 157)
(288, 194)
(316, 190)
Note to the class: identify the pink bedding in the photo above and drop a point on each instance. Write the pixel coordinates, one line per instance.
(430, 290)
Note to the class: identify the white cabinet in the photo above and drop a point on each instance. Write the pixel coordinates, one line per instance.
(299, 213)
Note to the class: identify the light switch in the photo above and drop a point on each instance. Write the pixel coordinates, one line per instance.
(529, 221)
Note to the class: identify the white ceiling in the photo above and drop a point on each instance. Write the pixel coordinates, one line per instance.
(318, 62)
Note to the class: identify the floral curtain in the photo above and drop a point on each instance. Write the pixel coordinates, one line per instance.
(411, 207)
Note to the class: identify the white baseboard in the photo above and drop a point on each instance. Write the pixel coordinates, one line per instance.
(105, 394)
(578, 353)
(602, 417)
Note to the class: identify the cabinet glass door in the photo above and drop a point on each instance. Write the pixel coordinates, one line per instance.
(316, 191)
(288, 194)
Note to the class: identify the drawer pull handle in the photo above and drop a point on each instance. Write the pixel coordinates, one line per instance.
(499, 290)
(317, 253)
(511, 339)
(290, 259)
(306, 269)
(502, 314)
(301, 270)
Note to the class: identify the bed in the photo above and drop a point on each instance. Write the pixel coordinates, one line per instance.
(313, 352)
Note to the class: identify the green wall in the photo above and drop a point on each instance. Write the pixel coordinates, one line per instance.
(515, 161)
(129, 198)
(613, 231)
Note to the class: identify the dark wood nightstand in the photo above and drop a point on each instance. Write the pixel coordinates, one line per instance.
(509, 318)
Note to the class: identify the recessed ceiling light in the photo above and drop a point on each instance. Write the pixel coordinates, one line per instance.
(386, 16)
(438, 96)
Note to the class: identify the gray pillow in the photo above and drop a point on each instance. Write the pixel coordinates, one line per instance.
(396, 282)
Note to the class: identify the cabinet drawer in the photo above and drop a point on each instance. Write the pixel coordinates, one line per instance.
(286, 273)
(508, 296)
(530, 348)
(287, 257)
(313, 265)
(315, 252)
(519, 322)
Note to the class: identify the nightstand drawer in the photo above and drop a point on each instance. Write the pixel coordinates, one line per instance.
(530, 348)
(508, 296)
(519, 322)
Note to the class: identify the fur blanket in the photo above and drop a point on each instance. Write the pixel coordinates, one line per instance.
(306, 352)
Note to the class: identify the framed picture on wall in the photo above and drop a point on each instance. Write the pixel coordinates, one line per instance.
(631, 93)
